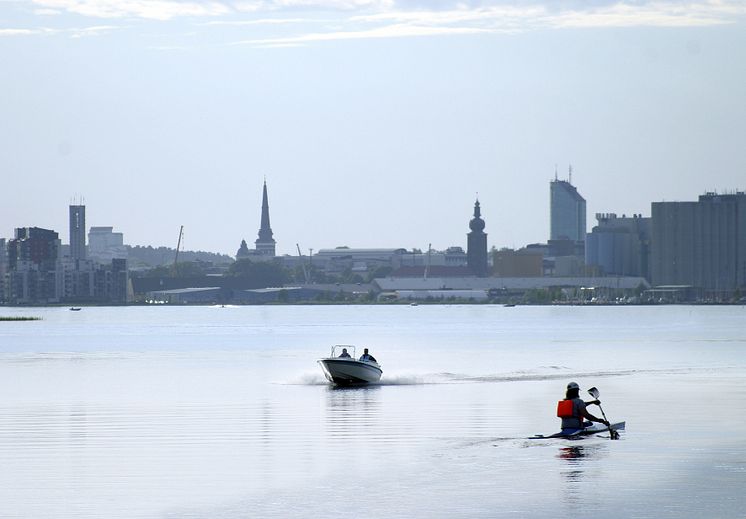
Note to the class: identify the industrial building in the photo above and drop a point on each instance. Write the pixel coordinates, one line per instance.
(619, 246)
(700, 244)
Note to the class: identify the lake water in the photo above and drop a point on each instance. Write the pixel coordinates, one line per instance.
(208, 412)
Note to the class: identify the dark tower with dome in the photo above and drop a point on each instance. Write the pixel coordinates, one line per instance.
(476, 248)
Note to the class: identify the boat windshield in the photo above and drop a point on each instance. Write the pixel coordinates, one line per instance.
(338, 348)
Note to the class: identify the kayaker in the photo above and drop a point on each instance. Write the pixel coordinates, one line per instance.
(366, 356)
(572, 410)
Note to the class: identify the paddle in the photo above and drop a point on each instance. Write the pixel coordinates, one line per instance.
(594, 392)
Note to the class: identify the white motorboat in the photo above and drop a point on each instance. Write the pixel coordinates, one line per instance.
(343, 368)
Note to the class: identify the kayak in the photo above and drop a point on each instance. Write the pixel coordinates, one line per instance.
(580, 433)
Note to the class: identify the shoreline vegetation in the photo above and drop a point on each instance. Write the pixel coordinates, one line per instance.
(19, 318)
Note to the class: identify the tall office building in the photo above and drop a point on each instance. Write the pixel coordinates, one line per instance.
(476, 249)
(77, 232)
(567, 211)
(701, 244)
(265, 244)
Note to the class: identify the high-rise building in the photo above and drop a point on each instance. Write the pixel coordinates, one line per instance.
(77, 232)
(476, 249)
(265, 244)
(701, 244)
(567, 211)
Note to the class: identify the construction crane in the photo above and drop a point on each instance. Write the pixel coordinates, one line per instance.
(303, 265)
(427, 265)
(178, 244)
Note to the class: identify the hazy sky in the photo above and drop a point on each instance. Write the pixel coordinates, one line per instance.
(375, 122)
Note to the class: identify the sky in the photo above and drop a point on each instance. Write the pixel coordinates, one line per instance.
(376, 123)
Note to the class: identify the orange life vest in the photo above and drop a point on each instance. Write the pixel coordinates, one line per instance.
(564, 409)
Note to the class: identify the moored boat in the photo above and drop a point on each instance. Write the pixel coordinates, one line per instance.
(344, 369)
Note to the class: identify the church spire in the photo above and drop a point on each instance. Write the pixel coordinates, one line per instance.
(265, 244)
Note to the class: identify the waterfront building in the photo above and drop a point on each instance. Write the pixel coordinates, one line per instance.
(77, 232)
(700, 244)
(112, 283)
(567, 211)
(32, 266)
(265, 243)
(476, 248)
(3, 268)
(451, 257)
(76, 279)
(619, 245)
(358, 260)
(89, 281)
(36, 273)
(573, 287)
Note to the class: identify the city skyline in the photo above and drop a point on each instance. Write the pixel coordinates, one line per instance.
(374, 123)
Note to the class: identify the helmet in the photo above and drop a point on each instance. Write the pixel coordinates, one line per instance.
(573, 385)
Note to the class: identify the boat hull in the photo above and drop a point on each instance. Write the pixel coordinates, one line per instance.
(346, 371)
(580, 433)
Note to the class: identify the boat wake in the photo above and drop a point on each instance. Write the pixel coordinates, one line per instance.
(561, 373)
(422, 379)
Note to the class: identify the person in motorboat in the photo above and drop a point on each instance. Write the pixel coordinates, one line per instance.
(367, 357)
(573, 410)
(344, 354)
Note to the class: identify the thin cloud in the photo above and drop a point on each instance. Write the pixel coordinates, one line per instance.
(47, 12)
(263, 21)
(74, 32)
(654, 15)
(147, 9)
(390, 31)
(92, 31)
(18, 32)
(336, 5)
(464, 20)
(371, 19)
(616, 15)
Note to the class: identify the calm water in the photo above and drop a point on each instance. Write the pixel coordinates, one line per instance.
(223, 413)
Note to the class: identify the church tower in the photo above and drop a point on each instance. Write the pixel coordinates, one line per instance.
(476, 249)
(265, 244)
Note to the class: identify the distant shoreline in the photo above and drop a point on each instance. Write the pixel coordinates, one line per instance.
(367, 303)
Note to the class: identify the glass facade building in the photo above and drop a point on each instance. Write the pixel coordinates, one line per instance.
(567, 212)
